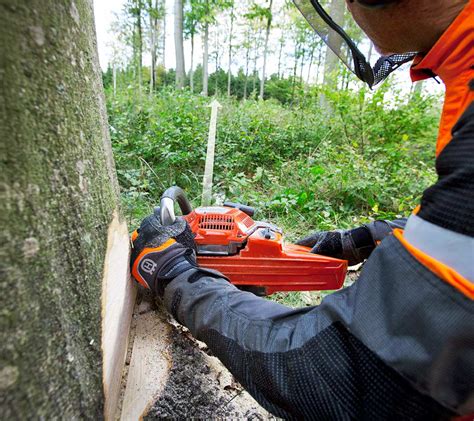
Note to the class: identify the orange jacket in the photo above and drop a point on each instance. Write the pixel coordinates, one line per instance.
(452, 59)
(450, 202)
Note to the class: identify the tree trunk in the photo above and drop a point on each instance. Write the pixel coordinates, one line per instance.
(205, 61)
(295, 68)
(282, 43)
(178, 42)
(318, 66)
(336, 11)
(216, 81)
(191, 70)
(255, 73)
(59, 203)
(311, 59)
(247, 61)
(163, 47)
(265, 50)
(229, 73)
(114, 78)
(303, 54)
(139, 41)
(66, 295)
(153, 10)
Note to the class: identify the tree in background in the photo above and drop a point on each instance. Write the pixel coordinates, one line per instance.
(156, 13)
(231, 34)
(134, 9)
(178, 43)
(331, 62)
(192, 18)
(262, 15)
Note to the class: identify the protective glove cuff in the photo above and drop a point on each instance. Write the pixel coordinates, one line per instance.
(155, 268)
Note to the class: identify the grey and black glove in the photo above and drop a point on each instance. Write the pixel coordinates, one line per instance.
(161, 253)
(353, 245)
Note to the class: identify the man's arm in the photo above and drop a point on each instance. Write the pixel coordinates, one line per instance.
(361, 354)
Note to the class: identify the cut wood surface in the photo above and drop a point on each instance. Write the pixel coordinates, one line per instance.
(149, 366)
(118, 299)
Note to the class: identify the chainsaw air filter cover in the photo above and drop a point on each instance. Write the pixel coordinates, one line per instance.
(252, 254)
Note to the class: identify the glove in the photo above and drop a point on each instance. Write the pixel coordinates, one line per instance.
(353, 245)
(161, 253)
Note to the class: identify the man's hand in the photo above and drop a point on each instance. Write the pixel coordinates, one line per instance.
(353, 245)
(160, 253)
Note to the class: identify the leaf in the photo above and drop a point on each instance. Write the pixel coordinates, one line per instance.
(317, 170)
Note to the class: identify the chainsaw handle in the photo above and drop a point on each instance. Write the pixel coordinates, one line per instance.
(168, 199)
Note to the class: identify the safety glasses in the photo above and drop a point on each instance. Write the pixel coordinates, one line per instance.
(334, 37)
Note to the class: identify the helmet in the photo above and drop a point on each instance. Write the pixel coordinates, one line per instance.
(333, 34)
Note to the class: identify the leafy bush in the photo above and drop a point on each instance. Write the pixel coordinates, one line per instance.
(305, 168)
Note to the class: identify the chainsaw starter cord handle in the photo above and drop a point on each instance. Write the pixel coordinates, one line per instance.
(168, 199)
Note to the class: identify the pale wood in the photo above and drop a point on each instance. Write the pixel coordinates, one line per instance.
(118, 299)
(149, 366)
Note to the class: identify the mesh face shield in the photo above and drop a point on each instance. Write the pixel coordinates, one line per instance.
(334, 36)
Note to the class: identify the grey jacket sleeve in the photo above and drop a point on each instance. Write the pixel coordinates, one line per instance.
(332, 361)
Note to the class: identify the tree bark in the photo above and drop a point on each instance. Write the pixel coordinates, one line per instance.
(205, 61)
(265, 50)
(59, 201)
(178, 42)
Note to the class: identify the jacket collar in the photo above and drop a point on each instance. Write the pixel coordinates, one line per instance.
(452, 54)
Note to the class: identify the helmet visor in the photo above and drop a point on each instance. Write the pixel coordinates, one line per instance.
(334, 37)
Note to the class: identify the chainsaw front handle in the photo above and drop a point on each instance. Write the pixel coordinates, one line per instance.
(168, 199)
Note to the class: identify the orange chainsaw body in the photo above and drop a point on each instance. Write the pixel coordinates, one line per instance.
(253, 255)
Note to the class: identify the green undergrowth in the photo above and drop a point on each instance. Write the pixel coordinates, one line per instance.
(364, 156)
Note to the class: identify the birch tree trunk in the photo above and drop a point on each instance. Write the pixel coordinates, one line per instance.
(178, 42)
(265, 50)
(59, 206)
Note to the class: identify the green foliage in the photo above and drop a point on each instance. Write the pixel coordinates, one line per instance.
(301, 167)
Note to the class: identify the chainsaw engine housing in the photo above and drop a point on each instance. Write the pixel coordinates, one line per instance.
(253, 255)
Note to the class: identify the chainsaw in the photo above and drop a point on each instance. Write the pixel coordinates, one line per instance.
(251, 254)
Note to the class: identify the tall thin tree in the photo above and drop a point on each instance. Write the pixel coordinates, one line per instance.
(265, 49)
(231, 34)
(178, 42)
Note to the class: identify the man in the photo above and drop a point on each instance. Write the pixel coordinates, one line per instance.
(399, 343)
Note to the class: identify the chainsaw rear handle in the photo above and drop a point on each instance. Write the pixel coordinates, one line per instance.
(168, 199)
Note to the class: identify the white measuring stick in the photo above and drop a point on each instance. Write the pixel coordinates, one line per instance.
(211, 147)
